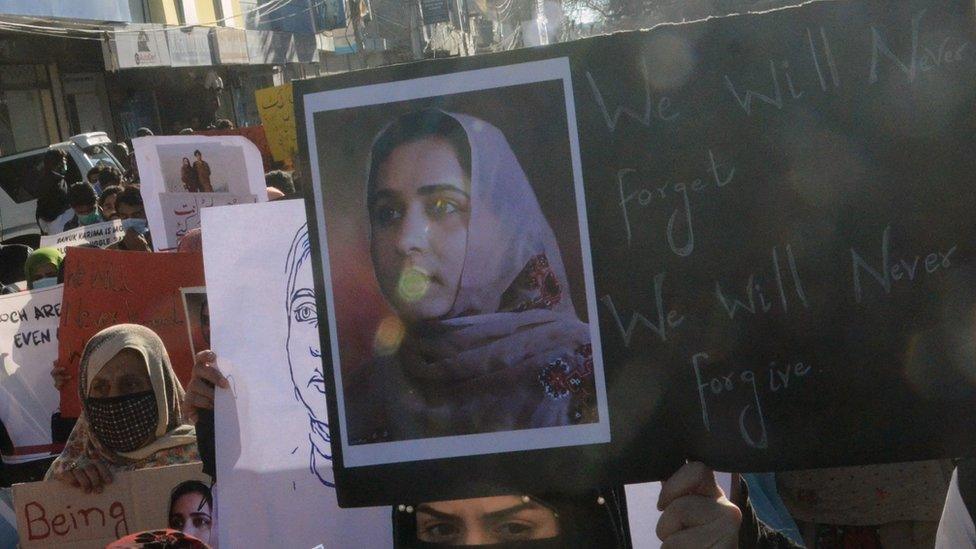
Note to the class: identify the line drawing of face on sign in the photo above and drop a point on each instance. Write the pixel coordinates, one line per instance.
(304, 353)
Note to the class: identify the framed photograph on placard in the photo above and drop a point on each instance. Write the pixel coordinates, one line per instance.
(197, 317)
(455, 253)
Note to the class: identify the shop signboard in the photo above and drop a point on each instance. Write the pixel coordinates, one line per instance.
(271, 48)
(189, 47)
(229, 46)
(92, 10)
(137, 46)
(330, 15)
(435, 11)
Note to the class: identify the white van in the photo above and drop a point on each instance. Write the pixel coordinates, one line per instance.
(18, 205)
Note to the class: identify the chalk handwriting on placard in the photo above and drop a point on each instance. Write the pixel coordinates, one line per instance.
(809, 68)
(751, 421)
(907, 270)
(938, 53)
(67, 521)
(949, 51)
(634, 194)
(757, 292)
(665, 318)
(661, 112)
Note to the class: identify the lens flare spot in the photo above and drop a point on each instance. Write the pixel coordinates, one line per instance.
(388, 337)
(413, 284)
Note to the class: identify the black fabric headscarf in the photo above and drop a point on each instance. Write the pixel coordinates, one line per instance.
(53, 200)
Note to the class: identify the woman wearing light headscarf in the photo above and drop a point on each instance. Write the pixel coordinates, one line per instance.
(131, 410)
(42, 268)
(461, 250)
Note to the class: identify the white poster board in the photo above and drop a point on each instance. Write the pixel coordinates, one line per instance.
(271, 432)
(28, 348)
(181, 175)
(99, 235)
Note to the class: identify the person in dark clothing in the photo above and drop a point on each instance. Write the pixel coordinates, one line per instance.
(129, 208)
(202, 168)
(106, 201)
(109, 177)
(53, 207)
(12, 259)
(84, 202)
(280, 180)
(51, 189)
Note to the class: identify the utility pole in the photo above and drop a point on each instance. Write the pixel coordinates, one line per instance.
(416, 39)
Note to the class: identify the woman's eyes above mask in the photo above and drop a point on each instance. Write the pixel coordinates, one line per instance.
(99, 388)
(514, 530)
(131, 385)
(441, 532)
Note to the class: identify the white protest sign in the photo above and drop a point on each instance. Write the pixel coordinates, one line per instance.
(181, 211)
(54, 514)
(99, 235)
(28, 348)
(272, 432)
(181, 175)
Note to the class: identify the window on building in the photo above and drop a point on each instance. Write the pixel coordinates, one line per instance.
(26, 108)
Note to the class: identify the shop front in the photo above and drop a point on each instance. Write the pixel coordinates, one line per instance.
(35, 104)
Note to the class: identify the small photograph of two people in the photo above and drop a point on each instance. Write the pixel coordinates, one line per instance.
(195, 175)
(458, 266)
(203, 167)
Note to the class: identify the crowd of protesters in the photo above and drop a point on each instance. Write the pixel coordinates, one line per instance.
(137, 415)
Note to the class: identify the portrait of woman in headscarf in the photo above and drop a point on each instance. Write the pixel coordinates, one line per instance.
(487, 337)
(131, 411)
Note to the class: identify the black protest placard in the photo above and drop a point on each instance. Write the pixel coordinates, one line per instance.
(768, 217)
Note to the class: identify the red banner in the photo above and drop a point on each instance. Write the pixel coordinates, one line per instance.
(103, 288)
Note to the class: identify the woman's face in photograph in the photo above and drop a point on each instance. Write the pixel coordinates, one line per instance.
(304, 357)
(419, 216)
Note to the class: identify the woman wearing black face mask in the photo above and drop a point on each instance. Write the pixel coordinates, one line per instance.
(131, 411)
